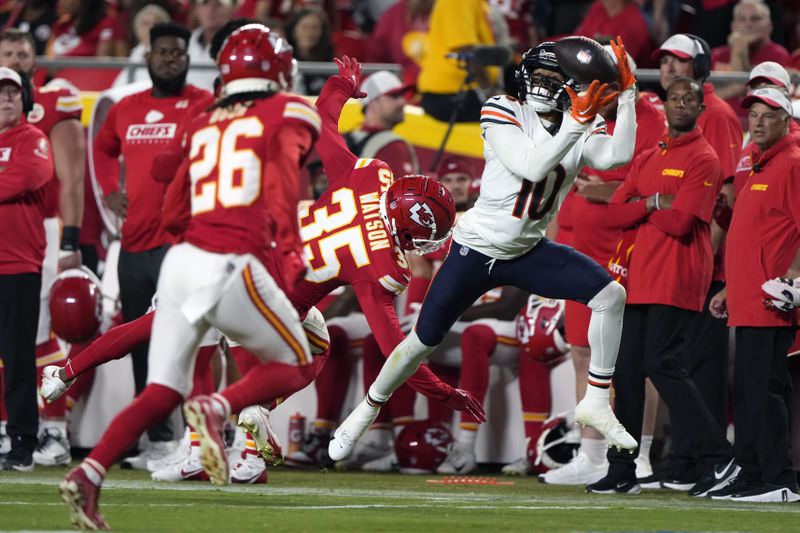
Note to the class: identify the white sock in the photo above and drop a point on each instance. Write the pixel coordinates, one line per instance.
(644, 446)
(594, 449)
(94, 471)
(605, 327)
(399, 366)
(466, 438)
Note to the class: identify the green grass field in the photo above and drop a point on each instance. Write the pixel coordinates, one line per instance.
(355, 502)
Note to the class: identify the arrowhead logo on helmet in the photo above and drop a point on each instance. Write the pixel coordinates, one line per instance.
(422, 215)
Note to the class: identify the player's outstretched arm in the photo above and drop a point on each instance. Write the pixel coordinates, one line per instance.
(378, 308)
(336, 157)
(601, 151)
(115, 343)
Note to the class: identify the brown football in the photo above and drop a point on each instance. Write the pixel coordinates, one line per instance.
(584, 60)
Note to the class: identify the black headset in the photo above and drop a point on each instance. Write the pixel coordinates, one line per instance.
(27, 94)
(701, 63)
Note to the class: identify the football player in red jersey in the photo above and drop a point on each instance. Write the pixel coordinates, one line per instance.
(56, 112)
(258, 135)
(136, 128)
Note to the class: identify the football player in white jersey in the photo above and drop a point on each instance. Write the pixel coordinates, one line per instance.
(533, 148)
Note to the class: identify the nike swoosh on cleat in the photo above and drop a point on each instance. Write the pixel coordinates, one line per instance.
(722, 475)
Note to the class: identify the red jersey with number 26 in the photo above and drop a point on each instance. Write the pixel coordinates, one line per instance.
(244, 164)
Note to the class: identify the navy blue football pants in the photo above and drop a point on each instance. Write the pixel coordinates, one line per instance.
(549, 270)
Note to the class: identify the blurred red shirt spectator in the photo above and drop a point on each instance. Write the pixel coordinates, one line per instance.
(401, 37)
(749, 43)
(607, 19)
(83, 29)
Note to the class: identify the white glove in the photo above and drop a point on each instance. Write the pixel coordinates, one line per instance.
(783, 293)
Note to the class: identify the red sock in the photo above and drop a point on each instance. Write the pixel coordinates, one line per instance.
(203, 376)
(437, 411)
(153, 405)
(401, 406)
(115, 344)
(415, 293)
(534, 390)
(49, 353)
(332, 382)
(266, 382)
(478, 342)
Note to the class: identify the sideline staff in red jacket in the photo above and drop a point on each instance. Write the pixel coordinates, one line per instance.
(763, 243)
(26, 167)
(669, 275)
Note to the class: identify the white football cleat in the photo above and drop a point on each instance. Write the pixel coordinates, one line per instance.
(153, 452)
(597, 413)
(520, 467)
(373, 446)
(250, 469)
(580, 471)
(255, 420)
(346, 436)
(180, 454)
(53, 448)
(52, 387)
(460, 460)
(190, 469)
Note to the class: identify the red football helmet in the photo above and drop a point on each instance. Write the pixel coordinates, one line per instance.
(538, 329)
(76, 305)
(420, 213)
(421, 447)
(253, 58)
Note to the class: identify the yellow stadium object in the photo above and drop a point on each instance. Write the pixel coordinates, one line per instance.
(418, 128)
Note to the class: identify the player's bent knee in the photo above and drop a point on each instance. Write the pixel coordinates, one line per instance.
(610, 298)
(319, 339)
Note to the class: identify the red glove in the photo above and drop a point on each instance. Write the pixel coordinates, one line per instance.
(462, 400)
(350, 69)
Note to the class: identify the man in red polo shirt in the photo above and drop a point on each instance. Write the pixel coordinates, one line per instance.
(749, 43)
(136, 128)
(706, 349)
(763, 243)
(668, 278)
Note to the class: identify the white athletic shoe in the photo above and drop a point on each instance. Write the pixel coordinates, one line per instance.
(189, 469)
(250, 468)
(255, 420)
(346, 436)
(375, 445)
(460, 460)
(176, 457)
(5, 442)
(520, 467)
(387, 463)
(580, 471)
(156, 450)
(643, 467)
(597, 413)
(52, 387)
(53, 448)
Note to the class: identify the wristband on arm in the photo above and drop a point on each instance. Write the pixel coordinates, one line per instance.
(70, 237)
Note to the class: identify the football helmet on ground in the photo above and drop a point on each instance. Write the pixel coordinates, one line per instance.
(421, 447)
(76, 305)
(419, 212)
(557, 444)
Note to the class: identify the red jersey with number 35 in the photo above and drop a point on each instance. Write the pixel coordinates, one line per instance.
(244, 164)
